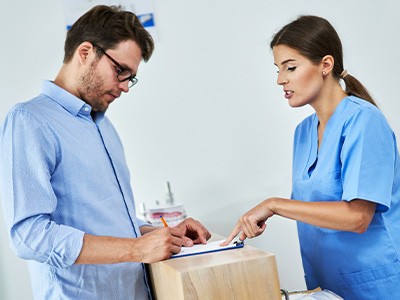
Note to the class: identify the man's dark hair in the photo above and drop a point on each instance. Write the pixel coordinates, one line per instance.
(107, 26)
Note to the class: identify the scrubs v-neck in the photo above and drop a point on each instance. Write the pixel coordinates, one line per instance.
(357, 159)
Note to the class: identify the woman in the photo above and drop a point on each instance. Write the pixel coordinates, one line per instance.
(346, 171)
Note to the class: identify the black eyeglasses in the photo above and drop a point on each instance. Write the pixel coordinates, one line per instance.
(122, 73)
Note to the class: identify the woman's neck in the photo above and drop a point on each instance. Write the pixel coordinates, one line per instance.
(328, 101)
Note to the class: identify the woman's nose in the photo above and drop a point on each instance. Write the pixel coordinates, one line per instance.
(281, 80)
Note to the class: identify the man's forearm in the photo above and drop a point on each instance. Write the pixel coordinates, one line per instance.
(107, 250)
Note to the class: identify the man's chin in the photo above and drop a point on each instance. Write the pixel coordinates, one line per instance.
(103, 110)
(101, 106)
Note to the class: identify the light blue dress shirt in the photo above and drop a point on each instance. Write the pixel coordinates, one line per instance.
(357, 159)
(64, 174)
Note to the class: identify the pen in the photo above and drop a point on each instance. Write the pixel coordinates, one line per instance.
(164, 222)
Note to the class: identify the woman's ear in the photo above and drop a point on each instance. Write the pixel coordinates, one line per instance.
(327, 64)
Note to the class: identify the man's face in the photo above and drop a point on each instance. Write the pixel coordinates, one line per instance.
(98, 85)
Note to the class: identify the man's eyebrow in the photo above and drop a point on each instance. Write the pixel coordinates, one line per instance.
(126, 67)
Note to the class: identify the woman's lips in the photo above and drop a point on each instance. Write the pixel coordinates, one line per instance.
(288, 94)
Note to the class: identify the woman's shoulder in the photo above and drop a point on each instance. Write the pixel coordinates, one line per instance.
(354, 105)
(360, 113)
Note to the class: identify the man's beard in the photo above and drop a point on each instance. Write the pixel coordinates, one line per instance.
(91, 89)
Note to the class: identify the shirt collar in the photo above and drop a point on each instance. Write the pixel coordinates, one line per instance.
(70, 102)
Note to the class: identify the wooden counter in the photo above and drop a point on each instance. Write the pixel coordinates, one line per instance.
(245, 273)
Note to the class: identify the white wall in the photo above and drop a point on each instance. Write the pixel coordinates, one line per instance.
(206, 114)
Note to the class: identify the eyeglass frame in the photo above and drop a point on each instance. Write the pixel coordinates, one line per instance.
(132, 78)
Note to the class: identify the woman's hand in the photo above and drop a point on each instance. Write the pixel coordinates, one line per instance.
(252, 223)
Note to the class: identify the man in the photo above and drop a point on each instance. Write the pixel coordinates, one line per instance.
(65, 185)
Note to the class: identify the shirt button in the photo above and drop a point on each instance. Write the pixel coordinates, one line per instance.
(86, 108)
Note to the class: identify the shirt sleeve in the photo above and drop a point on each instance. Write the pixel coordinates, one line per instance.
(28, 157)
(368, 158)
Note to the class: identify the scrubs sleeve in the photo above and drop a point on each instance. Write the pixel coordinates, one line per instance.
(368, 158)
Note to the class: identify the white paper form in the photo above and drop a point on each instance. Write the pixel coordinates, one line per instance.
(207, 248)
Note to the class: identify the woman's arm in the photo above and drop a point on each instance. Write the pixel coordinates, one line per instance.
(354, 216)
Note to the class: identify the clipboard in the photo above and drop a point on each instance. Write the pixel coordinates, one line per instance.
(207, 248)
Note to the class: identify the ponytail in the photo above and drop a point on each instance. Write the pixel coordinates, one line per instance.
(355, 88)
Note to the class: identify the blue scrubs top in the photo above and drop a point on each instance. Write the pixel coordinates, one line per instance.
(357, 159)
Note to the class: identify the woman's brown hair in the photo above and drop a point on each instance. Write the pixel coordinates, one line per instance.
(314, 38)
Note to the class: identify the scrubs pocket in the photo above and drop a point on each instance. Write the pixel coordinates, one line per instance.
(371, 275)
(380, 283)
(328, 188)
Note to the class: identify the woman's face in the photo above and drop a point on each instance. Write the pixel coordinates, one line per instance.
(302, 80)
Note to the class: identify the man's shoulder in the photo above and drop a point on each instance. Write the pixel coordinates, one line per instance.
(38, 110)
(35, 106)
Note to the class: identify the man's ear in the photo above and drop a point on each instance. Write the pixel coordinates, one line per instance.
(327, 64)
(84, 52)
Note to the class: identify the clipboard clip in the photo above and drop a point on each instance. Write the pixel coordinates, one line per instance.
(238, 243)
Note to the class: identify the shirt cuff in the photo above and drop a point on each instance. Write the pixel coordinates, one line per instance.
(67, 247)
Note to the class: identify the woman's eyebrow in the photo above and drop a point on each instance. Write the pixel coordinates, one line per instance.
(286, 61)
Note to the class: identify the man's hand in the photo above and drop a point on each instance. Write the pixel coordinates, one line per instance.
(159, 244)
(155, 244)
(194, 232)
